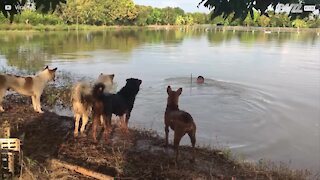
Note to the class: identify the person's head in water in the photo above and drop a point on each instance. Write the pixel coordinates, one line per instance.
(200, 80)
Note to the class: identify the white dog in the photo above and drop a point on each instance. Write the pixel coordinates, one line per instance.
(82, 100)
(30, 86)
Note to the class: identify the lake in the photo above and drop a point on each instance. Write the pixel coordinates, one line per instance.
(261, 96)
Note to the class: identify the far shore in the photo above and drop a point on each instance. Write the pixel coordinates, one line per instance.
(205, 27)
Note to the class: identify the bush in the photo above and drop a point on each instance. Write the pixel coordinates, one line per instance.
(35, 18)
(299, 23)
(3, 19)
(263, 21)
(315, 23)
(280, 20)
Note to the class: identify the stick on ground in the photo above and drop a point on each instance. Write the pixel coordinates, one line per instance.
(80, 170)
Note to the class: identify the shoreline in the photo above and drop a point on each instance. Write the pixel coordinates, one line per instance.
(204, 27)
(49, 136)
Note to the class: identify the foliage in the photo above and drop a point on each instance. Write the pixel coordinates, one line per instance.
(280, 20)
(199, 18)
(3, 19)
(299, 23)
(143, 18)
(97, 12)
(315, 23)
(263, 21)
(35, 18)
(169, 15)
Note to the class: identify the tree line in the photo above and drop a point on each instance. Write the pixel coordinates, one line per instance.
(125, 12)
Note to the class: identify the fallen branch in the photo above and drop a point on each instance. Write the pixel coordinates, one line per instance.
(80, 170)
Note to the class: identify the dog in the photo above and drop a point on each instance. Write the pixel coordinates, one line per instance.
(179, 121)
(81, 97)
(120, 104)
(29, 86)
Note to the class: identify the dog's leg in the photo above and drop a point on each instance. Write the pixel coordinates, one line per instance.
(2, 93)
(33, 98)
(106, 127)
(127, 117)
(38, 105)
(192, 136)
(76, 124)
(166, 128)
(123, 122)
(177, 137)
(85, 118)
(101, 119)
(94, 127)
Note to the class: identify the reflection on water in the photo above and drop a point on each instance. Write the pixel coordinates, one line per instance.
(261, 95)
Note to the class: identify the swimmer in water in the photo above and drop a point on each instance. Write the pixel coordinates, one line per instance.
(200, 80)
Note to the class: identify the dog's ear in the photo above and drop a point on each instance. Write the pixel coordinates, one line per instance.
(179, 91)
(46, 68)
(140, 82)
(112, 76)
(54, 69)
(169, 89)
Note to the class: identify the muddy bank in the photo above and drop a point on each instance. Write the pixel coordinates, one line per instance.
(138, 155)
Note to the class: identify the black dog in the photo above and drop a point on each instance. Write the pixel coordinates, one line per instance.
(120, 104)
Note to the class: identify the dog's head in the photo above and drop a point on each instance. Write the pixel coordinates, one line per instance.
(133, 84)
(173, 96)
(50, 73)
(107, 80)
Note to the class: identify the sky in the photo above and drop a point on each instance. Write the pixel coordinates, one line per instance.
(186, 5)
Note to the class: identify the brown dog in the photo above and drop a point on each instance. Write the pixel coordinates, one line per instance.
(179, 121)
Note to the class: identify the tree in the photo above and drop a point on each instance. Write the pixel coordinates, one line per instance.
(99, 12)
(120, 12)
(169, 15)
(155, 16)
(143, 17)
(264, 21)
(298, 23)
(199, 18)
(180, 20)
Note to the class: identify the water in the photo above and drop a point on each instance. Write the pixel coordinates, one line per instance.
(262, 92)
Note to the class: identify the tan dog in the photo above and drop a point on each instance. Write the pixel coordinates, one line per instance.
(82, 100)
(179, 121)
(30, 86)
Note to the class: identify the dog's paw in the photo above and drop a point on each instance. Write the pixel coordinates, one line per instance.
(75, 134)
(1, 109)
(41, 112)
(83, 135)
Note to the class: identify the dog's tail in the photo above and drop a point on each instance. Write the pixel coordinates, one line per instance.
(97, 90)
(80, 90)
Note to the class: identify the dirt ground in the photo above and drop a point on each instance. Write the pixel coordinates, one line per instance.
(138, 155)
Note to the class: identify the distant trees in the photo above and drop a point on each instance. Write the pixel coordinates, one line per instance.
(168, 16)
(98, 12)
